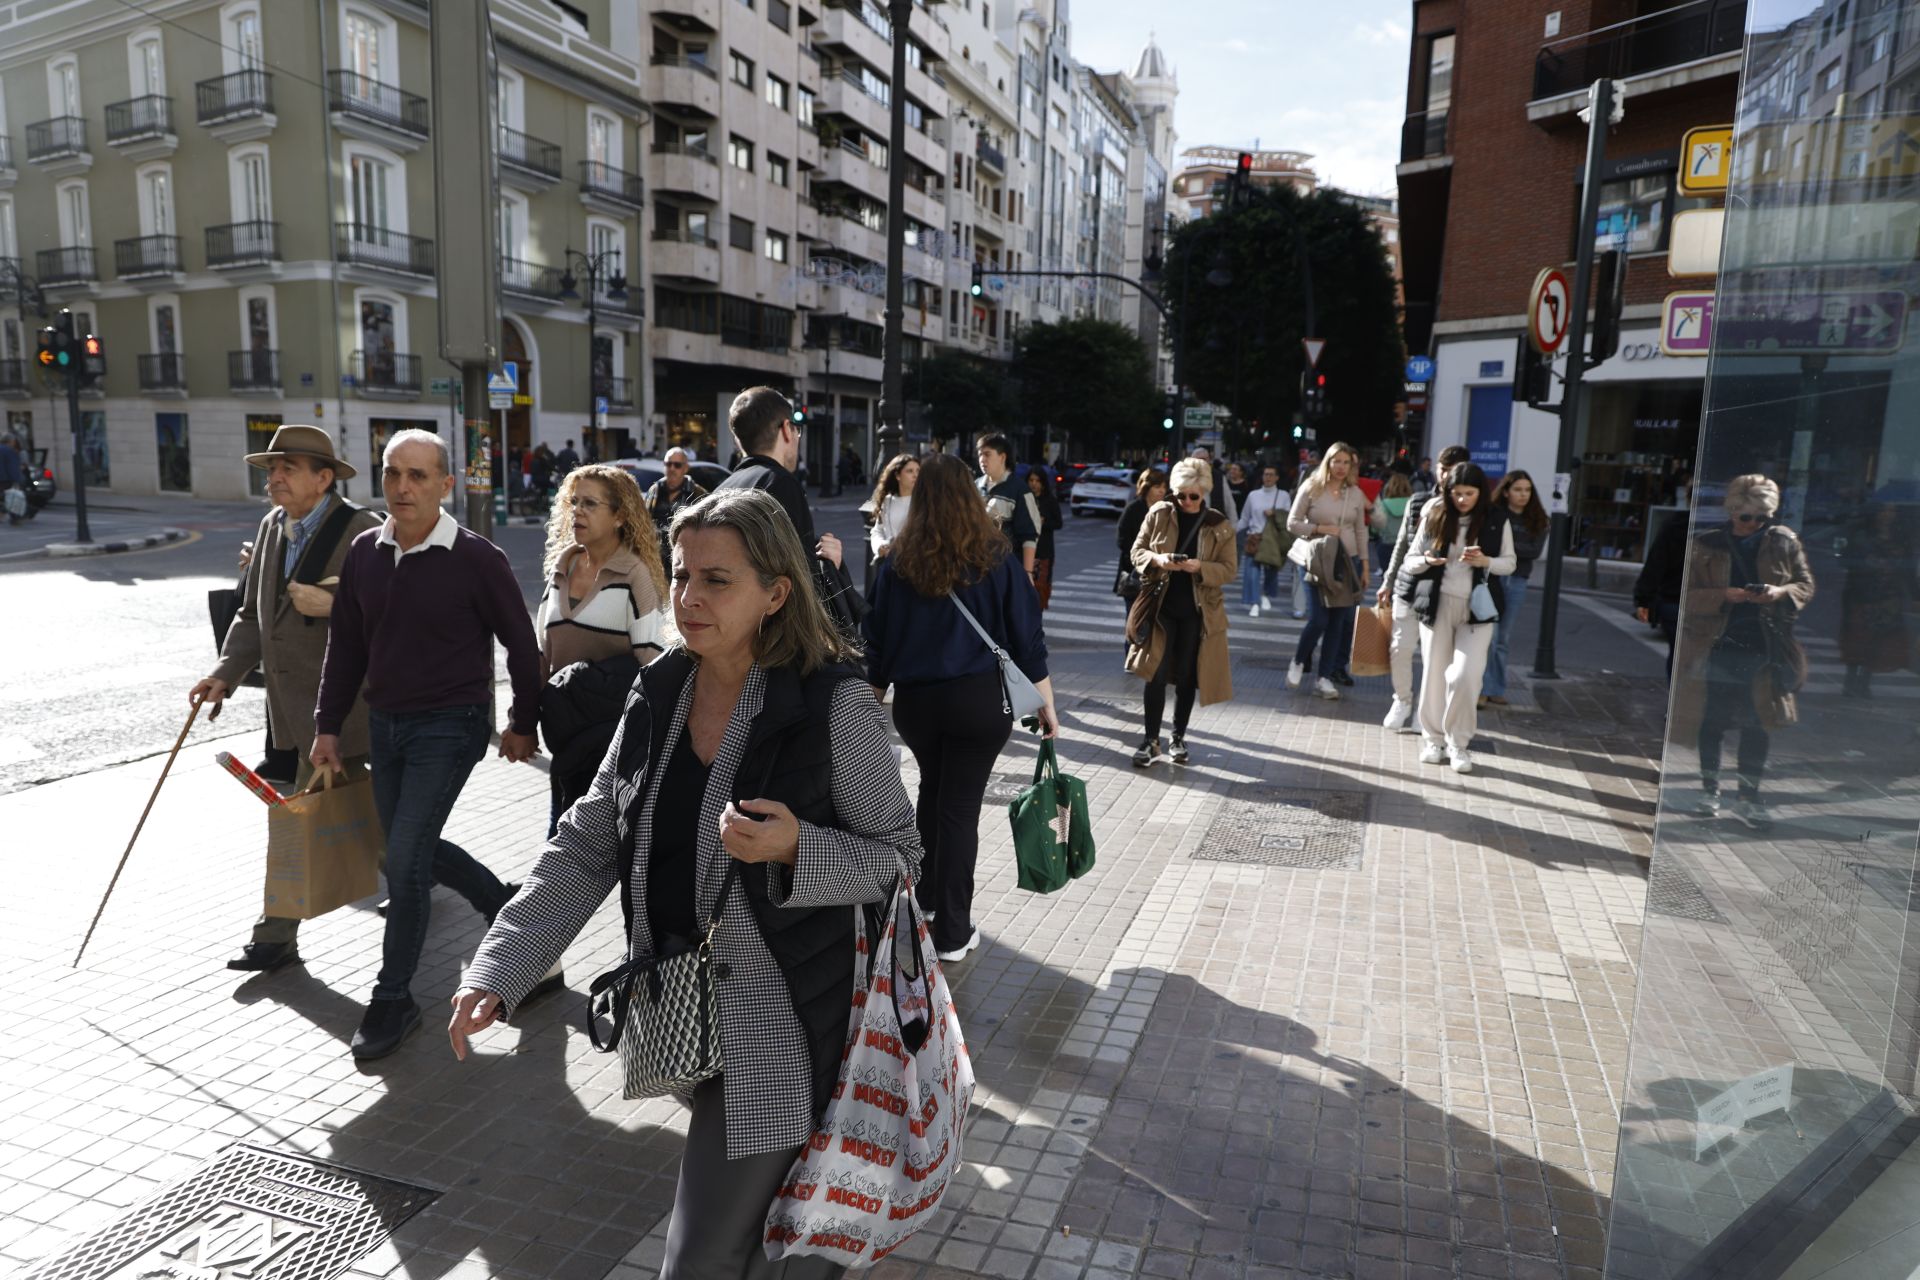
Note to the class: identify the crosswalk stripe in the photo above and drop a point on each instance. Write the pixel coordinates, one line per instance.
(1084, 610)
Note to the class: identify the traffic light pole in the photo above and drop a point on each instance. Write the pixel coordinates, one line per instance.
(1572, 403)
(80, 533)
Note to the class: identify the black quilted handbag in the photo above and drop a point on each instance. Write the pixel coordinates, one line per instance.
(659, 1013)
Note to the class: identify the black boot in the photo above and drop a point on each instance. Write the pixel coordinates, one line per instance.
(265, 957)
(385, 1025)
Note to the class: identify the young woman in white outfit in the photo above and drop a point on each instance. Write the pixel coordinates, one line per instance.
(1463, 545)
(1260, 583)
(892, 498)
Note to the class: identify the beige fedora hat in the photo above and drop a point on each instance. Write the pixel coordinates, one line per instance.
(303, 439)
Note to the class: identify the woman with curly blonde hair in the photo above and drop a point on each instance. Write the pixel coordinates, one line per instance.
(600, 617)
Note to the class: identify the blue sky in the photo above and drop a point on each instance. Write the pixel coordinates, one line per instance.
(1328, 78)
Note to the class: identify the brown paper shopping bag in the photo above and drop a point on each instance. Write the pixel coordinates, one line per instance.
(1372, 641)
(323, 849)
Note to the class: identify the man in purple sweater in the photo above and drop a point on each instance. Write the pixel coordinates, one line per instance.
(419, 604)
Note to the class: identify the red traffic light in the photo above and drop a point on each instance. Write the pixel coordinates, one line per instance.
(1245, 163)
(1320, 380)
(93, 345)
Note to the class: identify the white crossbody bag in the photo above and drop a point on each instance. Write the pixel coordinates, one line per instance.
(1019, 697)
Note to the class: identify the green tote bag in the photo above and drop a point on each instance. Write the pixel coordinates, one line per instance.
(1052, 835)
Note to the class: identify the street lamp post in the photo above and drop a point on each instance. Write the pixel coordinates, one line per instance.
(893, 410)
(596, 267)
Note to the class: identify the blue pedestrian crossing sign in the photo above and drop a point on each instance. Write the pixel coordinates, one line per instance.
(1420, 369)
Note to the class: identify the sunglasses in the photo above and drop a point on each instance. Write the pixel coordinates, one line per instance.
(676, 466)
(1746, 519)
(1190, 497)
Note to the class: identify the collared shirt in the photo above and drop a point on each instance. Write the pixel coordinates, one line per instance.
(299, 531)
(444, 531)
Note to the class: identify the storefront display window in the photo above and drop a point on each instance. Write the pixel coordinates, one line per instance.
(1767, 1117)
(171, 447)
(260, 429)
(93, 447)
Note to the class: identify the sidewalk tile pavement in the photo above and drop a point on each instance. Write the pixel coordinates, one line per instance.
(1404, 1062)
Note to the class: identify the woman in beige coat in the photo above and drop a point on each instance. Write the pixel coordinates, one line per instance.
(1747, 582)
(1190, 547)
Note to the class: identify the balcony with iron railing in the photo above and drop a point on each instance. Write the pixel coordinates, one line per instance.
(1656, 42)
(139, 119)
(74, 265)
(60, 138)
(1423, 136)
(244, 95)
(989, 155)
(602, 182)
(6, 154)
(618, 391)
(243, 244)
(165, 372)
(145, 256)
(533, 280)
(532, 156)
(367, 246)
(352, 97)
(386, 373)
(257, 369)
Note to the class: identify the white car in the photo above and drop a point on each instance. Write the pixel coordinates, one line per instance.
(1102, 489)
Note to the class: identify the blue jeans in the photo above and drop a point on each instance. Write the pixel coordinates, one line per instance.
(1495, 685)
(1256, 580)
(421, 760)
(1335, 626)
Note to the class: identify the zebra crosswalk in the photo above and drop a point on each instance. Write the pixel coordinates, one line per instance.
(1084, 613)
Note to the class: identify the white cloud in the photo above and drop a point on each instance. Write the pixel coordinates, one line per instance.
(1388, 32)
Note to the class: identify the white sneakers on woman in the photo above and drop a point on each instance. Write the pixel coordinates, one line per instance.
(1398, 716)
(1325, 688)
(1433, 753)
(1462, 761)
(948, 957)
(1295, 670)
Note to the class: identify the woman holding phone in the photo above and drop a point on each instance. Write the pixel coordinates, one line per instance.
(1450, 579)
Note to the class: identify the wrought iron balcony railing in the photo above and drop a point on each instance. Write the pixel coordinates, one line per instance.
(234, 97)
(384, 104)
(1669, 38)
(138, 118)
(257, 369)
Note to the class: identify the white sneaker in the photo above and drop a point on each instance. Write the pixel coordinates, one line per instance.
(1253, 611)
(1294, 671)
(1325, 688)
(1433, 753)
(948, 957)
(1297, 615)
(1266, 603)
(1462, 761)
(1397, 716)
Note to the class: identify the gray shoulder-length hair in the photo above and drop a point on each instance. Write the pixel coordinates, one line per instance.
(799, 634)
(1752, 495)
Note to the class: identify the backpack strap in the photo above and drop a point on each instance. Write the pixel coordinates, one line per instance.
(313, 561)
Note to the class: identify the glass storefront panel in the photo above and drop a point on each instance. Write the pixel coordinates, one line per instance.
(93, 448)
(260, 429)
(1768, 1115)
(174, 452)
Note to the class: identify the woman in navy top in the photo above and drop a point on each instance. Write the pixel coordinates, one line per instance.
(947, 700)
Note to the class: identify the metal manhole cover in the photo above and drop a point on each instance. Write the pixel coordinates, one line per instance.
(246, 1212)
(1671, 892)
(1290, 827)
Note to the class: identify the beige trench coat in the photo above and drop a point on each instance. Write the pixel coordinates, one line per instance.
(1219, 565)
(1782, 562)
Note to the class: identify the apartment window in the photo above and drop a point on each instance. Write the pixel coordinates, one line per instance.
(76, 221)
(740, 234)
(916, 116)
(368, 195)
(1881, 47)
(741, 69)
(156, 201)
(1830, 78)
(603, 139)
(363, 46)
(776, 170)
(148, 75)
(605, 241)
(804, 112)
(778, 94)
(780, 14)
(739, 152)
(775, 246)
(251, 189)
(243, 33)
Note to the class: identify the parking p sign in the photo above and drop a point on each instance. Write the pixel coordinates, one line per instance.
(1420, 369)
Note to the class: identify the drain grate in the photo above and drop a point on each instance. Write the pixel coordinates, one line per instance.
(1290, 827)
(1671, 892)
(246, 1212)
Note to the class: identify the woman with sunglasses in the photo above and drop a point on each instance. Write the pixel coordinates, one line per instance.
(1746, 583)
(1330, 504)
(1191, 547)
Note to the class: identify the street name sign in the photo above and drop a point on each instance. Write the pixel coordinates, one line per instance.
(1840, 321)
(1200, 417)
(1686, 324)
(1706, 159)
(1549, 310)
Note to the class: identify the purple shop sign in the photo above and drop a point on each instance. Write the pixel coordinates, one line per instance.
(1686, 324)
(1847, 321)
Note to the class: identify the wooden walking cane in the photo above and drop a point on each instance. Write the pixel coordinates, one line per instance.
(177, 742)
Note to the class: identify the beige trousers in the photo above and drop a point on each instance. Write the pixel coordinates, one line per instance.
(1453, 652)
(277, 928)
(1405, 635)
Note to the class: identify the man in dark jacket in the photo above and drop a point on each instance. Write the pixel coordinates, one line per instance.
(1009, 501)
(676, 489)
(761, 420)
(1656, 592)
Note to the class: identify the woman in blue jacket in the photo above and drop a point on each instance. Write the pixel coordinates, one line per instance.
(947, 701)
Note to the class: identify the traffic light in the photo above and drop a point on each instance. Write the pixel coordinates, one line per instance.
(1532, 376)
(1172, 414)
(1313, 395)
(1299, 432)
(979, 286)
(1609, 295)
(46, 356)
(799, 415)
(93, 359)
(59, 351)
(1242, 178)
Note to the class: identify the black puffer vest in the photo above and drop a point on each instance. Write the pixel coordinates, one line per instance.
(786, 759)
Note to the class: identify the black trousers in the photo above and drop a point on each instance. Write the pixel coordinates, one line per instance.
(955, 729)
(720, 1205)
(1179, 667)
(1731, 675)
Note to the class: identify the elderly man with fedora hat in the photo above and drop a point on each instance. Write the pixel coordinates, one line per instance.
(281, 624)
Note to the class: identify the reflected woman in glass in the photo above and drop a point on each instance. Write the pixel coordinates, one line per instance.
(1747, 582)
(1873, 602)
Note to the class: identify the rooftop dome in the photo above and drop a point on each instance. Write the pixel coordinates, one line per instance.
(1153, 63)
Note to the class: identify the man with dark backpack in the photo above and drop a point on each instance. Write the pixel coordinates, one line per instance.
(281, 624)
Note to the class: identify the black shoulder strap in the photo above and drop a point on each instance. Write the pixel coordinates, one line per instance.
(313, 561)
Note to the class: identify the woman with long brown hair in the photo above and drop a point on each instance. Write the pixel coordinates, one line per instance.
(1450, 579)
(892, 499)
(1516, 499)
(948, 702)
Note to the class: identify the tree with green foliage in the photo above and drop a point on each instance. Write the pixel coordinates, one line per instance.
(964, 396)
(1235, 280)
(1091, 380)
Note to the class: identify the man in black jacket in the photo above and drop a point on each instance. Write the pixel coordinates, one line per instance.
(761, 420)
(1656, 593)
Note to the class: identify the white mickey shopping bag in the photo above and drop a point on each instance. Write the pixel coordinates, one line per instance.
(879, 1165)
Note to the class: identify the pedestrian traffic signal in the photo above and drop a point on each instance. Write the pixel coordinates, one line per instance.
(93, 360)
(799, 415)
(1299, 432)
(978, 287)
(1172, 414)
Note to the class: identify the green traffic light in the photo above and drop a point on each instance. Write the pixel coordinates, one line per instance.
(1166, 424)
(65, 358)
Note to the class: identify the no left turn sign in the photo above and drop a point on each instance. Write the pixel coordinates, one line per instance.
(1549, 310)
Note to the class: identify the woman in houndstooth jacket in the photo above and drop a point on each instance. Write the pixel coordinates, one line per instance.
(749, 741)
